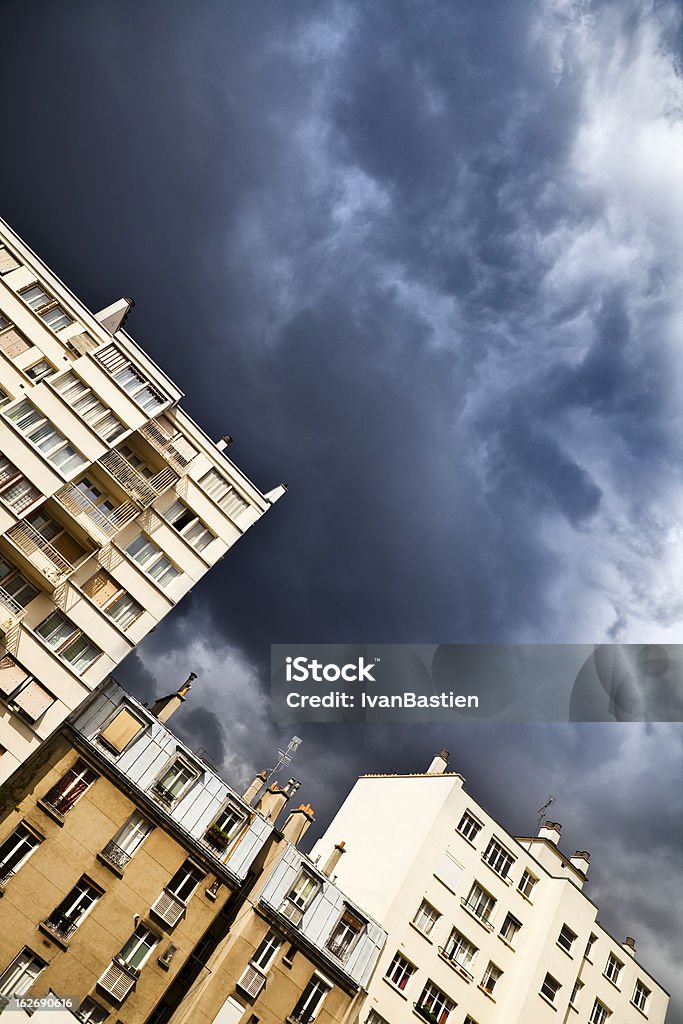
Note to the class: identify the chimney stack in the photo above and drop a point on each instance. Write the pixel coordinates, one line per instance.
(167, 706)
(581, 861)
(550, 830)
(440, 763)
(256, 786)
(297, 824)
(629, 944)
(273, 801)
(224, 442)
(333, 859)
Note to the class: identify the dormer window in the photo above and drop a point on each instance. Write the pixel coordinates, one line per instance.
(225, 827)
(299, 897)
(174, 782)
(121, 730)
(344, 935)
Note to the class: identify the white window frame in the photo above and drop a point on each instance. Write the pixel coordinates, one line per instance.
(563, 939)
(91, 1012)
(510, 922)
(613, 969)
(641, 995)
(460, 950)
(12, 479)
(149, 558)
(426, 917)
(491, 977)
(266, 951)
(198, 539)
(304, 890)
(63, 648)
(478, 898)
(527, 883)
(95, 413)
(469, 827)
(83, 890)
(184, 765)
(144, 934)
(550, 987)
(308, 1006)
(498, 858)
(400, 972)
(439, 999)
(46, 309)
(26, 842)
(600, 1013)
(52, 445)
(14, 979)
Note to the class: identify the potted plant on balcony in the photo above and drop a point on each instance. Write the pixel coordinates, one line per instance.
(217, 837)
(427, 1013)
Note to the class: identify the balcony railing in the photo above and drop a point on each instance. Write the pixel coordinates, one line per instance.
(339, 949)
(93, 520)
(11, 612)
(455, 963)
(481, 913)
(53, 565)
(5, 876)
(62, 928)
(141, 489)
(177, 451)
(115, 855)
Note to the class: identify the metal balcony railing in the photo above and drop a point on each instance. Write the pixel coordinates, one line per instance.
(53, 565)
(62, 928)
(95, 522)
(116, 855)
(454, 962)
(177, 451)
(142, 490)
(10, 610)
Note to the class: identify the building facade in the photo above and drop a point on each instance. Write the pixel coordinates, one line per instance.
(113, 502)
(483, 928)
(136, 882)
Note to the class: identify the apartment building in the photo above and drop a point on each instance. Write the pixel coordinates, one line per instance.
(113, 502)
(483, 927)
(135, 880)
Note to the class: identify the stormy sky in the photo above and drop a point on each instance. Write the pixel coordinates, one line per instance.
(422, 260)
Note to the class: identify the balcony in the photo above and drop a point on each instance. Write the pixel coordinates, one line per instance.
(177, 451)
(11, 614)
(115, 855)
(141, 489)
(452, 962)
(59, 928)
(338, 948)
(40, 553)
(98, 524)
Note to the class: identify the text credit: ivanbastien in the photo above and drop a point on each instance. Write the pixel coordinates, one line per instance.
(461, 682)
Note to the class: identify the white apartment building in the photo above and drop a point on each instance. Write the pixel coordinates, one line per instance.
(483, 928)
(113, 502)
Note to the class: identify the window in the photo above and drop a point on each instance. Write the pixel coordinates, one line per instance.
(127, 840)
(344, 935)
(91, 1012)
(4, 398)
(152, 560)
(16, 850)
(188, 525)
(8, 260)
(131, 379)
(15, 490)
(311, 1000)
(566, 938)
(223, 493)
(174, 781)
(374, 1018)
(265, 954)
(15, 586)
(578, 985)
(613, 969)
(469, 827)
(641, 994)
(480, 902)
(39, 371)
(498, 858)
(223, 828)
(46, 306)
(469, 1020)
(70, 788)
(17, 979)
(138, 948)
(67, 641)
(303, 891)
(510, 928)
(400, 972)
(550, 987)
(449, 871)
(124, 727)
(426, 917)
(72, 911)
(433, 1004)
(527, 883)
(170, 905)
(491, 977)
(88, 406)
(116, 602)
(40, 432)
(460, 950)
(12, 341)
(589, 946)
(599, 1014)
(30, 699)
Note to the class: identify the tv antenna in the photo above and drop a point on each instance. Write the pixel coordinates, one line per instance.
(285, 756)
(541, 811)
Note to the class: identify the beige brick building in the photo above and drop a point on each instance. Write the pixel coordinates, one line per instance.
(113, 502)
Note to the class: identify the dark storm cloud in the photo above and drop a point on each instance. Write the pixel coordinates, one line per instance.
(420, 260)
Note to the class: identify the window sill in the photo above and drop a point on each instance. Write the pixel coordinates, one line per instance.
(395, 989)
(468, 841)
(572, 1007)
(565, 951)
(288, 963)
(506, 943)
(420, 932)
(51, 812)
(480, 921)
(462, 971)
(486, 993)
(641, 1012)
(612, 983)
(525, 897)
(548, 1001)
(62, 943)
(114, 868)
(501, 878)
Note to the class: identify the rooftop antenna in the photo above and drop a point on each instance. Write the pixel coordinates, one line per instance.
(285, 756)
(541, 811)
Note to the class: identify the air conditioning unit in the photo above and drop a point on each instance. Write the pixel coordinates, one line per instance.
(168, 909)
(293, 913)
(252, 981)
(117, 982)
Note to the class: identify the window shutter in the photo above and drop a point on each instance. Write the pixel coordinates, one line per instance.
(121, 730)
(34, 700)
(100, 588)
(449, 871)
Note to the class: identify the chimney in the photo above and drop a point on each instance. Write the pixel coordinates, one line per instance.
(273, 801)
(333, 859)
(581, 861)
(224, 442)
(297, 824)
(629, 944)
(167, 706)
(550, 830)
(256, 786)
(439, 764)
(114, 316)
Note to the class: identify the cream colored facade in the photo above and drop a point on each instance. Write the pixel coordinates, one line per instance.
(113, 502)
(483, 928)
